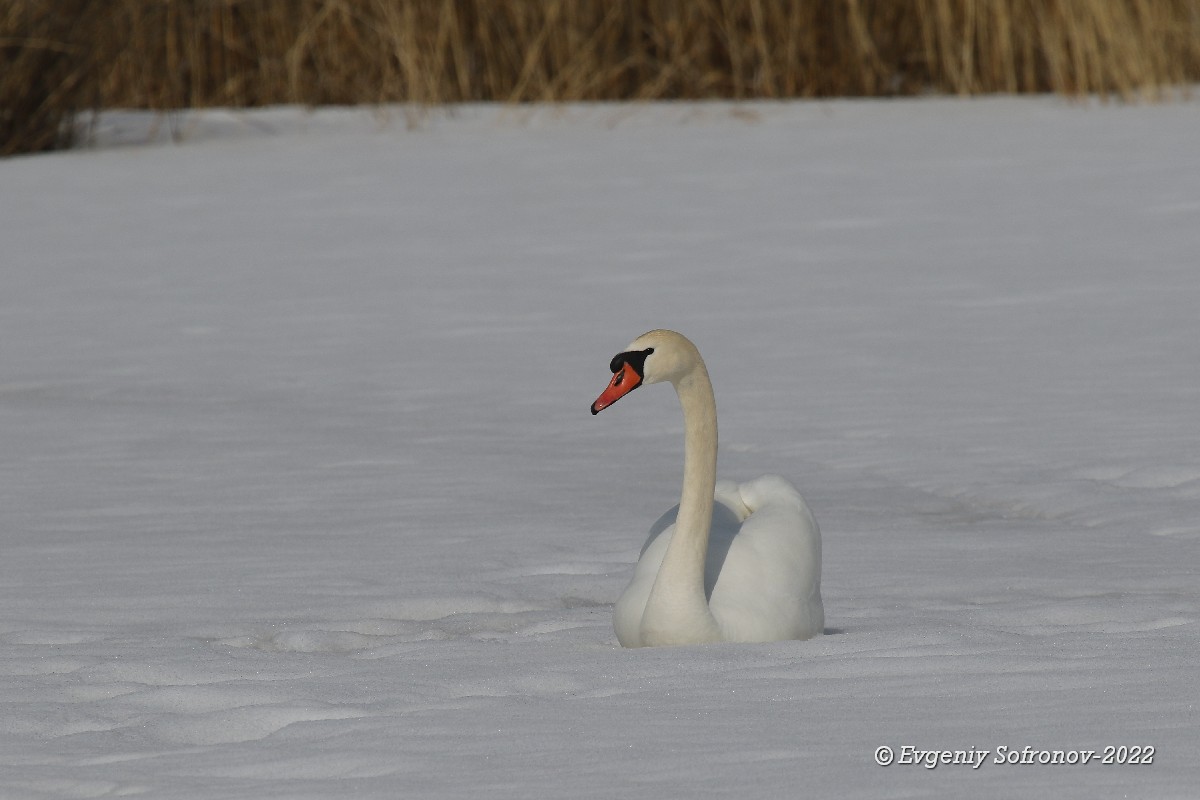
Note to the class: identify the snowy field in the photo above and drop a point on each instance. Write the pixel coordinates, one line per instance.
(300, 496)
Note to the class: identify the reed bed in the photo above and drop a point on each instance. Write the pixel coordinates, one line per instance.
(60, 57)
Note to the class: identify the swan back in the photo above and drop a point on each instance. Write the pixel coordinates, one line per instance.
(762, 574)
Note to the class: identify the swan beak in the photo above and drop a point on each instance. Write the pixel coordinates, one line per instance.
(624, 381)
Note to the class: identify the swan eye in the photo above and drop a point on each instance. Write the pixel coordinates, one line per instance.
(634, 358)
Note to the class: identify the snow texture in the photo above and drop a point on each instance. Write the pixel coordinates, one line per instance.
(300, 496)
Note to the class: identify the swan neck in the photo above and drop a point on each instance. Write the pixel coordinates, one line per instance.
(699, 458)
(677, 611)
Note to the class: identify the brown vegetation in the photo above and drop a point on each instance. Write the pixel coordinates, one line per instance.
(60, 56)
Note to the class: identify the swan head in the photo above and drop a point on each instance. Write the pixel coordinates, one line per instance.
(653, 357)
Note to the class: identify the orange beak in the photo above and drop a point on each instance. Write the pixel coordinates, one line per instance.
(624, 381)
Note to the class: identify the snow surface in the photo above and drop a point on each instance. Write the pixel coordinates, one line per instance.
(300, 496)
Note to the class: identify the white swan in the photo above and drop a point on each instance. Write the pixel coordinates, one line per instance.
(747, 569)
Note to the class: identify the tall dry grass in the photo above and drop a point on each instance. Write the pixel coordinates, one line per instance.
(163, 54)
(45, 72)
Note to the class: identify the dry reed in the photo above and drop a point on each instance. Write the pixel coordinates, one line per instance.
(45, 71)
(164, 54)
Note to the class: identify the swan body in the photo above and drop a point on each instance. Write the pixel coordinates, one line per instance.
(732, 562)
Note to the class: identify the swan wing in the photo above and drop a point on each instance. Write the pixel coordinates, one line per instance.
(763, 571)
(768, 585)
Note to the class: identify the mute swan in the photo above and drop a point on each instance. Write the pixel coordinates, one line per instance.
(747, 569)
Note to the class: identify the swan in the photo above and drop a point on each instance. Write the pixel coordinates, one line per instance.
(732, 562)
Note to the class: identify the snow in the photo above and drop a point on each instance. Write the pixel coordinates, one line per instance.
(300, 496)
